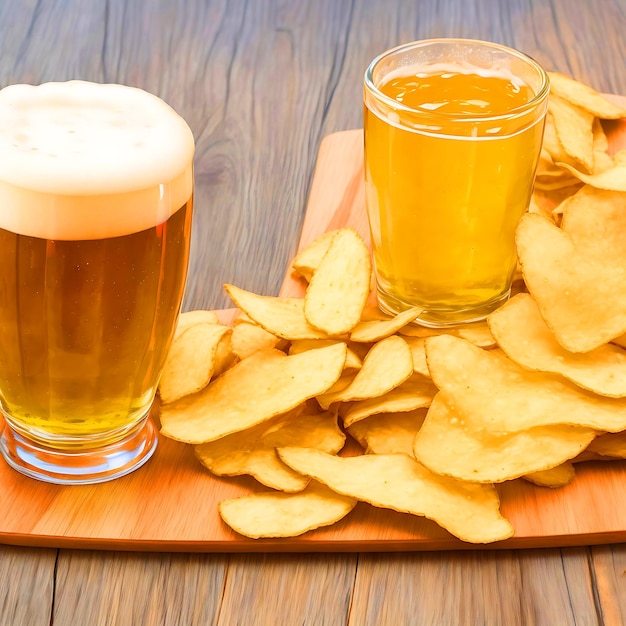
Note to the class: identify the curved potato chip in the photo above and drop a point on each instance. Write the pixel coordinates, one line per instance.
(190, 318)
(308, 260)
(600, 140)
(388, 433)
(477, 333)
(387, 365)
(253, 451)
(563, 182)
(469, 511)
(283, 317)
(449, 443)
(611, 445)
(302, 345)
(256, 389)
(284, 514)
(584, 97)
(574, 129)
(410, 395)
(191, 360)
(418, 354)
(339, 288)
(224, 356)
(248, 338)
(613, 179)
(551, 143)
(562, 268)
(497, 396)
(369, 331)
(554, 477)
(526, 339)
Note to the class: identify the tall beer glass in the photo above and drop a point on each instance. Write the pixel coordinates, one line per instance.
(96, 188)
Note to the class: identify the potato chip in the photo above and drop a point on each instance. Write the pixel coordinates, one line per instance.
(248, 338)
(574, 129)
(283, 317)
(308, 260)
(342, 382)
(524, 336)
(553, 184)
(611, 445)
(600, 140)
(388, 433)
(369, 331)
(613, 178)
(451, 442)
(190, 318)
(414, 393)
(353, 361)
(551, 143)
(417, 346)
(387, 365)
(554, 477)
(273, 514)
(584, 97)
(620, 341)
(339, 288)
(396, 481)
(191, 360)
(254, 390)
(499, 397)
(562, 268)
(477, 332)
(253, 451)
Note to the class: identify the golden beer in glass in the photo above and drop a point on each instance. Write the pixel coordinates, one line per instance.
(96, 194)
(453, 133)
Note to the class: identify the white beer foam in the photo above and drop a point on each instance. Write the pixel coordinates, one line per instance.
(83, 160)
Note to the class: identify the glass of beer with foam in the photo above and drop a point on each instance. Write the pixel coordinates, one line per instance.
(453, 133)
(96, 193)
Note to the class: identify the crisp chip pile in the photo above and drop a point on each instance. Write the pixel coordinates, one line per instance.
(442, 416)
(575, 146)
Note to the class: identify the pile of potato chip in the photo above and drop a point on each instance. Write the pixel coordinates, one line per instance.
(575, 148)
(442, 416)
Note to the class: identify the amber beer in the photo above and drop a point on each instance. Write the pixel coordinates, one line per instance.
(453, 132)
(96, 187)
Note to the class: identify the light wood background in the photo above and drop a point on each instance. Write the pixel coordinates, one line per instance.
(261, 83)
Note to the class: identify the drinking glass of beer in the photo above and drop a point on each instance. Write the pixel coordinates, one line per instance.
(453, 132)
(96, 188)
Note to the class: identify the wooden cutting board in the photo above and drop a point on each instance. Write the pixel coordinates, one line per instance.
(171, 503)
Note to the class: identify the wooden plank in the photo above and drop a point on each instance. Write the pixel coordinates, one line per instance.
(26, 586)
(609, 563)
(311, 590)
(137, 588)
(509, 587)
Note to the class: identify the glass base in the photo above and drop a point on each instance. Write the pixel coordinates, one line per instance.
(79, 467)
(442, 318)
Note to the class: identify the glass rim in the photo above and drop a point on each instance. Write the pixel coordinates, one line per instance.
(512, 113)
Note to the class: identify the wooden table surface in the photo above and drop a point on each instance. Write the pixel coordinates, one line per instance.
(261, 82)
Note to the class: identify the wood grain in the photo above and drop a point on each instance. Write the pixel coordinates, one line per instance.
(27, 589)
(512, 586)
(306, 58)
(100, 589)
